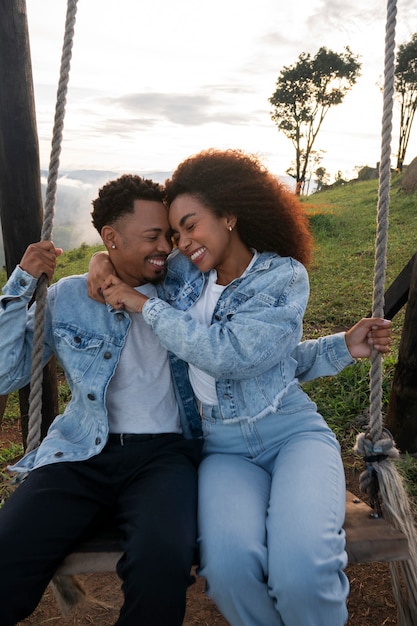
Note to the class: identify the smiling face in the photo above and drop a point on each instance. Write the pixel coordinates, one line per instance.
(139, 243)
(200, 235)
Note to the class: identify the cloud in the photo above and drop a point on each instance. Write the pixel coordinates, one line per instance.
(193, 109)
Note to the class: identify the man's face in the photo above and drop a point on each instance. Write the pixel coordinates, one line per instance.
(143, 242)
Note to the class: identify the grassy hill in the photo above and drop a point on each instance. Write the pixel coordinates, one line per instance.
(343, 220)
(344, 225)
(341, 276)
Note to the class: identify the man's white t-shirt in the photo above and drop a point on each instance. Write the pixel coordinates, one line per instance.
(140, 396)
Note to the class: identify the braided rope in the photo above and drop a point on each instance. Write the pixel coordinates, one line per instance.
(35, 396)
(377, 445)
(376, 441)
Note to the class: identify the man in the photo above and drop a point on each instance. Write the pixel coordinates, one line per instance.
(126, 446)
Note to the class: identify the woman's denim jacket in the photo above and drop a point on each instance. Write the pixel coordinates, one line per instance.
(87, 338)
(252, 347)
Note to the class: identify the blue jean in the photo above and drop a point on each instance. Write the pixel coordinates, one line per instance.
(271, 510)
(150, 488)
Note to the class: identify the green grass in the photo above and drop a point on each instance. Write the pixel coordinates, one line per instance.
(8, 455)
(343, 221)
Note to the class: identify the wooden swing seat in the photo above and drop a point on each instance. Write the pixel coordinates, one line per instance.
(368, 539)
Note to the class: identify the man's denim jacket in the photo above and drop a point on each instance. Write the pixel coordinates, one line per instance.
(252, 347)
(87, 338)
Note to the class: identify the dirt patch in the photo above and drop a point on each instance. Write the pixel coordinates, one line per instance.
(371, 601)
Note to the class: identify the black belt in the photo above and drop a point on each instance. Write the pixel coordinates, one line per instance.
(122, 439)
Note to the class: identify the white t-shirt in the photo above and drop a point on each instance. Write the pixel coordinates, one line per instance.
(204, 385)
(140, 396)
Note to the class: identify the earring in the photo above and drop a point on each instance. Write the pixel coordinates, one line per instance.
(230, 229)
(113, 247)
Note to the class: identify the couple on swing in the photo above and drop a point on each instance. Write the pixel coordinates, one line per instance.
(184, 369)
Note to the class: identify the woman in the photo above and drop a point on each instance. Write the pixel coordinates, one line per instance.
(271, 483)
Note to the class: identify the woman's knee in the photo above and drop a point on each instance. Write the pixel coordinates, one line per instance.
(232, 566)
(319, 581)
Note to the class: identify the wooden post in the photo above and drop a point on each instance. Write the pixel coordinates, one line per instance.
(20, 185)
(21, 211)
(401, 417)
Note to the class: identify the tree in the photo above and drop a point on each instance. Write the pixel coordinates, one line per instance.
(304, 94)
(406, 88)
(322, 178)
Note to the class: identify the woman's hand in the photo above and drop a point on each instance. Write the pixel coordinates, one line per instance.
(99, 269)
(368, 333)
(40, 258)
(121, 296)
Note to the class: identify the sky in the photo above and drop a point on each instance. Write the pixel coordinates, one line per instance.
(154, 82)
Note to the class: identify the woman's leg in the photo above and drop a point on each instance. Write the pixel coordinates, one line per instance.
(306, 542)
(233, 502)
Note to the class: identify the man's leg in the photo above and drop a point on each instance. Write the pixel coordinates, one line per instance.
(39, 525)
(157, 512)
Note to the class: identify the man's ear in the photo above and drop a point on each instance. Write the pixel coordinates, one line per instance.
(108, 236)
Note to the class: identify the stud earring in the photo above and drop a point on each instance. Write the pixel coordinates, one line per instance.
(230, 229)
(113, 247)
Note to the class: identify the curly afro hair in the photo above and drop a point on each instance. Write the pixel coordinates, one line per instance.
(231, 182)
(116, 198)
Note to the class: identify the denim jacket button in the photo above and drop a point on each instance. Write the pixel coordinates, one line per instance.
(58, 455)
(22, 282)
(91, 396)
(77, 339)
(98, 441)
(107, 355)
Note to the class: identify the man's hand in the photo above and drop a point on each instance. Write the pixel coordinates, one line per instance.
(40, 258)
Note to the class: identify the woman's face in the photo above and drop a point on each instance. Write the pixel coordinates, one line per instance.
(199, 234)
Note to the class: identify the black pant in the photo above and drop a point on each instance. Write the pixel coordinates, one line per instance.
(151, 489)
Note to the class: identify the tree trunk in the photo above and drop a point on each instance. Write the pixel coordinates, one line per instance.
(402, 408)
(20, 185)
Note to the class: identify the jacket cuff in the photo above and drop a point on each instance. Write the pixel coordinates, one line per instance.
(151, 309)
(20, 284)
(338, 350)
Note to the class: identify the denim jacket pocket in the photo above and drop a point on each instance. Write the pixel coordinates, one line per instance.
(75, 350)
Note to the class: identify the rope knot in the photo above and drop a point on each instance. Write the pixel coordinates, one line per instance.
(374, 453)
(382, 447)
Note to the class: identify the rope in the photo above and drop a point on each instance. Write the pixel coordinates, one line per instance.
(377, 445)
(35, 395)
